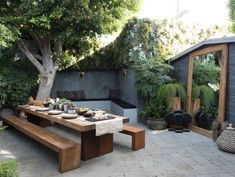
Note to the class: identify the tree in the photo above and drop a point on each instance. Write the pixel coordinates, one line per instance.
(51, 29)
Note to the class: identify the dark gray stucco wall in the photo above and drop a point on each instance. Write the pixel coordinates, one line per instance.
(127, 87)
(181, 69)
(96, 84)
(128, 91)
(230, 94)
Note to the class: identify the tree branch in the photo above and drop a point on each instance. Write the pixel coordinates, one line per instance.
(38, 57)
(29, 55)
(58, 45)
(37, 41)
(46, 44)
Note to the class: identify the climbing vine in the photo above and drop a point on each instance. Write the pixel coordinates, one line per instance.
(141, 39)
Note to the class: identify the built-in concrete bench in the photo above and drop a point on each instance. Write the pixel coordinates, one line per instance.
(116, 106)
(138, 136)
(69, 151)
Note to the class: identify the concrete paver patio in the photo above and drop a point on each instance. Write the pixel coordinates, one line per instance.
(167, 154)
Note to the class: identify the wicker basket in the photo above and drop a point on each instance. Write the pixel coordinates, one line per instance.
(226, 140)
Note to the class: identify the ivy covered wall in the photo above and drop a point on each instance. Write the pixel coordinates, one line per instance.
(142, 39)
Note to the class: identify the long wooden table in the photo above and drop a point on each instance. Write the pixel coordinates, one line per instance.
(91, 145)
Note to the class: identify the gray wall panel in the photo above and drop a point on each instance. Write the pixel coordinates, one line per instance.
(127, 87)
(181, 69)
(230, 97)
(96, 84)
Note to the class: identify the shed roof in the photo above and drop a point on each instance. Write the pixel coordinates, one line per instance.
(212, 41)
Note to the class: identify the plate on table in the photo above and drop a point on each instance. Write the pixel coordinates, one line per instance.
(54, 112)
(69, 116)
(42, 109)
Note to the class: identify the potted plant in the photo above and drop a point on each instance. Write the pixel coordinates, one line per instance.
(64, 103)
(156, 121)
(71, 108)
(204, 105)
(156, 111)
(172, 96)
(144, 115)
(203, 94)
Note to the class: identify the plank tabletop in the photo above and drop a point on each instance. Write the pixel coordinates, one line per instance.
(79, 123)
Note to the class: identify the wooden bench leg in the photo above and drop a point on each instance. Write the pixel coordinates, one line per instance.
(69, 158)
(138, 140)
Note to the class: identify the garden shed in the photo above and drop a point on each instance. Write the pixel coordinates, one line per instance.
(184, 66)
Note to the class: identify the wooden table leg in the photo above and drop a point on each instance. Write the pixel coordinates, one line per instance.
(94, 146)
(38, 121)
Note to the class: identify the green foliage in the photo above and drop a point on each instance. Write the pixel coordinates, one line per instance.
(7, 36)
(9, 168)
(195, 91)
(160, 103)
(231, 7)
(205, 70)
(206, 79)
(141, 39)
(154, 109)
(2, 128)
(150, 75)
(16, 82)
(168, 91)
(212, 110)
(143, 45)
(206, 96)
(65, 59)
(76, 24)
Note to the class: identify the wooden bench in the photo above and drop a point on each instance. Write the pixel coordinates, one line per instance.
(138, 136)
(69, 151)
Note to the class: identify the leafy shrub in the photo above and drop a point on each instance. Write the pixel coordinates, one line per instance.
(159, 103)
(206, 71)
(9, 168)
(168, 91)
(154, 109)
(150, 75)
(17, 79)
(206, 94)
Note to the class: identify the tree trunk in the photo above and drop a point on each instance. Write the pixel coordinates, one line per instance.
(46, 82)
(45, 66)
(46, 78)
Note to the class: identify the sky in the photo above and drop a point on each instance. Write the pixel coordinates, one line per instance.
(207, 12)
(204, 12)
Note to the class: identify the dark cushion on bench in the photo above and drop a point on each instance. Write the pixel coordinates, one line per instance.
(114, 94)
(71, 95)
